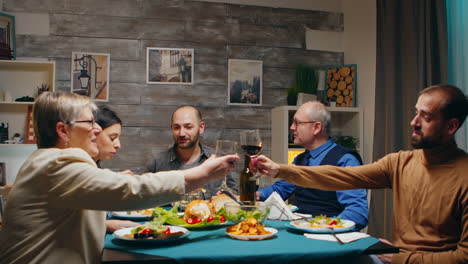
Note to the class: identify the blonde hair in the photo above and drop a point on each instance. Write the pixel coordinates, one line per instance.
(51, 108)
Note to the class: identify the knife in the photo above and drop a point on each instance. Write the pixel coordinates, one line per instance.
(332, 230)
(232, 196)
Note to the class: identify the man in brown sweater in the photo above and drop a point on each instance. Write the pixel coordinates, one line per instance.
(430, 183)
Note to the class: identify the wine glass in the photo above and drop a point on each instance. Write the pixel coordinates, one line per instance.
(225, 147)
(252, 144)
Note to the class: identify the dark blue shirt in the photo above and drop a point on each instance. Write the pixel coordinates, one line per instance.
(353, 202)
(168, 160)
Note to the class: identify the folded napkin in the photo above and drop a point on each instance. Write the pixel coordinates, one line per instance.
(278, 208)
(345, 237)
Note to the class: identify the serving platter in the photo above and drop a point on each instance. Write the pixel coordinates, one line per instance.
(272, 231)
(121, 234)
(304, 225)
(134, 215)
(203, 225)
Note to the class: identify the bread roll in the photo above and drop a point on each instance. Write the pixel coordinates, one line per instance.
(198, 209)
(218, 201)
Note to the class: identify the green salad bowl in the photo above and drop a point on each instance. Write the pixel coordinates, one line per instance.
(237, 213)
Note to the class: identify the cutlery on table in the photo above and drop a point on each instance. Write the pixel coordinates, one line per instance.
(232, 196)
(332, 230)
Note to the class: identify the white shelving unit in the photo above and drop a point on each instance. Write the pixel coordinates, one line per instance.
(345, 121)
(20, 78)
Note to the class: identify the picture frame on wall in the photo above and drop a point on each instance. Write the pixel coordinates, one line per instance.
(341, 85)
(90, 75)
(169, 66)
(245, 82)
(7, 37)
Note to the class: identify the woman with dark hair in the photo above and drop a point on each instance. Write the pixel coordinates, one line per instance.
(108, 142)
(56, 209)
(109, 139)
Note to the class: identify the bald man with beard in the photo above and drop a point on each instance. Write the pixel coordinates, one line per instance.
(187, 152)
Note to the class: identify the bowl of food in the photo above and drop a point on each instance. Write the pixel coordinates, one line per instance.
(237, 213)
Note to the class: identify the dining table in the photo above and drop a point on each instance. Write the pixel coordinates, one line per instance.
(213, 245)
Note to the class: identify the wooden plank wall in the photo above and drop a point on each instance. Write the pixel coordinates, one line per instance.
(217, 32)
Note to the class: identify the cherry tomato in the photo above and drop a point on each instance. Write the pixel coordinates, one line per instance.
(190, 221)
(196, 220)
(210, 218)
(167, 231)
(146, 231)
(222, 219)
(333, 223)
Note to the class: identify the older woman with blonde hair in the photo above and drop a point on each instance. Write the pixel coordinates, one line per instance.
(56, 209)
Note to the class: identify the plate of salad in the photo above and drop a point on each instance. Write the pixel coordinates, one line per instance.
(152, 232)
(322, 224)
(173, 217)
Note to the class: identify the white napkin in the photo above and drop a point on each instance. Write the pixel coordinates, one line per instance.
(278, 208)
(345, 237)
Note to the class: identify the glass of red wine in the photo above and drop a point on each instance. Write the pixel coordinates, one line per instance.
(251, 144)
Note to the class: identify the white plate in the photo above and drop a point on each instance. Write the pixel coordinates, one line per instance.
(254, 237)
(120, 234)
(133, 216)
(305, 226)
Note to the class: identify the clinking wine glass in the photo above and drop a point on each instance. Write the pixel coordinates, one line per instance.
(251, 144)
(225, 147)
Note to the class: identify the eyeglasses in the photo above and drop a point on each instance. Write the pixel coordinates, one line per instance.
(91, 122)
(296, 123)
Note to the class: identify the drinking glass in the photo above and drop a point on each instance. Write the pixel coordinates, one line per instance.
(225, 147)
(251, 143)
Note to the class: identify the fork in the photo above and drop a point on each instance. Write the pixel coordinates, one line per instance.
(332, 230)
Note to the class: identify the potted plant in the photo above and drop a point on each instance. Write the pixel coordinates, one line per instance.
(306, 79)
(42, 88)
(292, 95)
(305, 85)
(346, 141)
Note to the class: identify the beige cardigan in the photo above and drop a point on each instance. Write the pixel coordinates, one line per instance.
(55, 211)
(430, 199)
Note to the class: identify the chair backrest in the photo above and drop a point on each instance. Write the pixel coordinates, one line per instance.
(364, 230)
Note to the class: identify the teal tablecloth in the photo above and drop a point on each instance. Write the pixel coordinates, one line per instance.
(213, 246)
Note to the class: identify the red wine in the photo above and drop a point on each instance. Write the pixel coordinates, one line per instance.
(251, 149)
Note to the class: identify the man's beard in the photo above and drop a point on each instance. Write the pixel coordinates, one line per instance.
(425, 143)
(189, 144)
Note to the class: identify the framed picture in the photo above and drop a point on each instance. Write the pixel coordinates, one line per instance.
(7, 37)
(169, 66)
(90, 75)
(340, 85)
(245, 82)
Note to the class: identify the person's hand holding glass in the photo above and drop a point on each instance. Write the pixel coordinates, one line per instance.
(225, 147)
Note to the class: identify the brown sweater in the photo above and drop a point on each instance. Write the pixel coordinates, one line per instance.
(430, 198)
